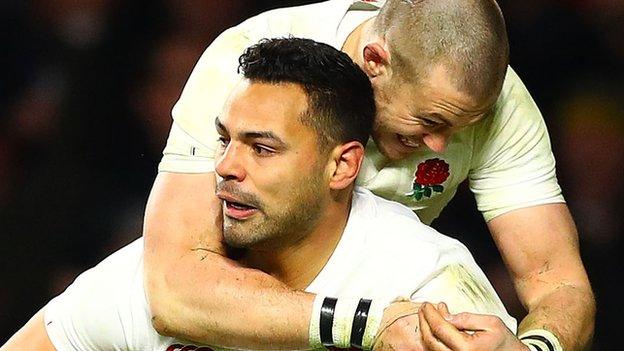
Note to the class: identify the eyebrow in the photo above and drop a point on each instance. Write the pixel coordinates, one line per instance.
(252, 134)
(220, 127)
(435, 117)
(438, 116)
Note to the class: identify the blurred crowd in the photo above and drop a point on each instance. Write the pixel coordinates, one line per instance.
(85, 111)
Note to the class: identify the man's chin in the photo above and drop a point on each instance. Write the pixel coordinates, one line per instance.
(236, 233)
(236, 241)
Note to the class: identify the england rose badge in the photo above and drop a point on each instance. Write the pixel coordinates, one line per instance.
(428, 178)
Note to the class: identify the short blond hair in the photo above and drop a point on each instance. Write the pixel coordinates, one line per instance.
(468, 37)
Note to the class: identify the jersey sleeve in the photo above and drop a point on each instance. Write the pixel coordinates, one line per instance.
(96, 311)
(81, 319)
(193, 138)
(462, 285)
(513, 165)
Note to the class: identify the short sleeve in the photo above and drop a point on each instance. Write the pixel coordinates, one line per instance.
(462, 285)
(185, 154)
(104, 308)
(83, 318)
(513, 165)
(193, 138)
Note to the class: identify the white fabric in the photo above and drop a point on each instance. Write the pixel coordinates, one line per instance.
(106, 309)
(314, 332)
(507, 157)
(343, 320)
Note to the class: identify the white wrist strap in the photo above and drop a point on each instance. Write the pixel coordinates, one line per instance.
(315, 323)
(343, 321)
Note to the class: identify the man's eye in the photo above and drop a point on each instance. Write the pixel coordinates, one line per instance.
(223, 141)
(429, 123)
(262, 150)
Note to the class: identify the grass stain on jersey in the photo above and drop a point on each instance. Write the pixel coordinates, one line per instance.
(472, 288)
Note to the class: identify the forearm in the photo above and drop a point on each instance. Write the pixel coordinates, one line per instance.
(195, 293)
(210, 300)
(568, 312)
(540, 247)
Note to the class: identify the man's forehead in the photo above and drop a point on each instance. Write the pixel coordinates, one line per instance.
(263, 106)
(267, 97)
(442, 99)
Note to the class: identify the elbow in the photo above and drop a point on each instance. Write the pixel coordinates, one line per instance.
(158, 310)
(159, 300)
(163, 311)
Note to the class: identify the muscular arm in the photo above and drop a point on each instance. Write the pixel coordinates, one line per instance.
(540, 248)
(32, 336)
(196, 293)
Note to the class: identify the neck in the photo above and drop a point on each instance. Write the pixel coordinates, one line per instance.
(361, 35)
(299, 263)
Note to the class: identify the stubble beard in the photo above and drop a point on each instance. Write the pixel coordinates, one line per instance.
(280, 227)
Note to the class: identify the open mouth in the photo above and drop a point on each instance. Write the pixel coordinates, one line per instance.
(408, 142)
(238, 210)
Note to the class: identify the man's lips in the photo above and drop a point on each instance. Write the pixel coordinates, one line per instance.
(238, 211)
(235, 208)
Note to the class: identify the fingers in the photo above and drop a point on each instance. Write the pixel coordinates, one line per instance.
(388, 321)
(475, 322)
(437, 333)
(444, 311)
(442, 331)
(398, 328)
(396, 311)
(401, 334)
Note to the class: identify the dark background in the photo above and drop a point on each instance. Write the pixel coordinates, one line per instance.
(85, 105)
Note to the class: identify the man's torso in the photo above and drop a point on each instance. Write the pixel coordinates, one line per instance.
(106, 307)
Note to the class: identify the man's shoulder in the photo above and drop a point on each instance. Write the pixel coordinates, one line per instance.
(394, 227)
(392, 248)
(113, 292)
(514, 106)
(117, 278)
(129, 254)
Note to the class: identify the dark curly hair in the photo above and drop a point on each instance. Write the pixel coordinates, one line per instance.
(341, 106)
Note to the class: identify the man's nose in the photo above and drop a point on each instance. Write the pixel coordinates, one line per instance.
(228, 165)
(437, 141)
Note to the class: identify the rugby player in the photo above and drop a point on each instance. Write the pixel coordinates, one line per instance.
(448, 109)
(291, 144)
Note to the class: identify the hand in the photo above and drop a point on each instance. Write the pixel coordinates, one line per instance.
(442, 331)
(399, 328)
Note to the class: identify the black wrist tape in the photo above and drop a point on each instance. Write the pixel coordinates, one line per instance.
(542, 339)
(359, 323)
(327, 321)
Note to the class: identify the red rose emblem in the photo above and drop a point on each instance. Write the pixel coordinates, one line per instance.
(432, 172)
(428, 178)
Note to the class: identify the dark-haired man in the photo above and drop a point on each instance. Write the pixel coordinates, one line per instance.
(437, 68)
(291, 142)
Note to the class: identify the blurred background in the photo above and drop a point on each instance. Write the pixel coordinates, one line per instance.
(85, 112)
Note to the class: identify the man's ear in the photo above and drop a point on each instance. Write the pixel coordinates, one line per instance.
(376, 59)
(346, 160)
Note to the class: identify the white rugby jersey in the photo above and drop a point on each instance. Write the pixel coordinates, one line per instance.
(106, 308)
(507, 156)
